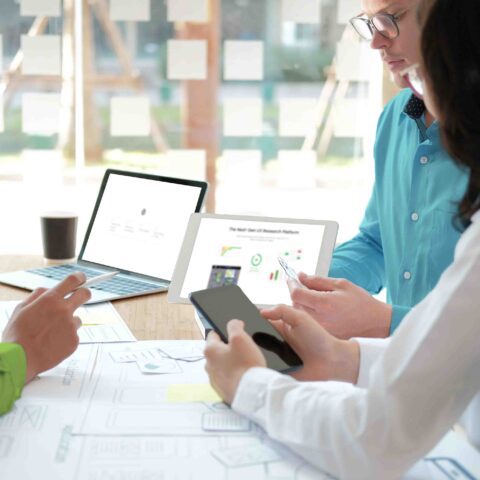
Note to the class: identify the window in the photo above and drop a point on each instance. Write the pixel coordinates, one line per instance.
(274, 102)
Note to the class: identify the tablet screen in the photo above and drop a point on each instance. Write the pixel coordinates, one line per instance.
(245, 253)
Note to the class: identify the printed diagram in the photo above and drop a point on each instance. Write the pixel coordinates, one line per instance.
(24, 417)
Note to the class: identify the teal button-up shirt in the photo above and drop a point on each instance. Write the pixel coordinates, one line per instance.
(407, 237)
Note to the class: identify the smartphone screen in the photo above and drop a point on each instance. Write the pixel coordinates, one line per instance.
(222, 304)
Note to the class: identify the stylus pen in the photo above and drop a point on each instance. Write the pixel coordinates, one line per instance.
(99, 279)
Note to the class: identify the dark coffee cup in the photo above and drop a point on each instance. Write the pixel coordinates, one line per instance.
(59, 233)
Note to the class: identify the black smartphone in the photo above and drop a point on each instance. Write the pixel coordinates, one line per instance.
(222, 304)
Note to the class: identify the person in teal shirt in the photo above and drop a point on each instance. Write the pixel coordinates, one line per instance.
(407, 237)
(40, 334)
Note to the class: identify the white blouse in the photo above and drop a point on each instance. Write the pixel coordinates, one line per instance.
(411, 389)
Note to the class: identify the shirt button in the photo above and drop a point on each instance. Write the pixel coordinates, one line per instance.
(423, 160)
(407, 275)
(414, 216)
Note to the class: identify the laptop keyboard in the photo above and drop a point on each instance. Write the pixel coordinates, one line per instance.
(116, 285)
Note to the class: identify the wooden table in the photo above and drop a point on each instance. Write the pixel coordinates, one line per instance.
(150, 317)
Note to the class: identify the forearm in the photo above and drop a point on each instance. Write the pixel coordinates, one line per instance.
(12, 374)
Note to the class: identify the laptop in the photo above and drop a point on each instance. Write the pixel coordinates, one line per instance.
(137, 228)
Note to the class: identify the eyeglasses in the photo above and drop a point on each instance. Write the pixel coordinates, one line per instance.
(414, 78)
(384, 23)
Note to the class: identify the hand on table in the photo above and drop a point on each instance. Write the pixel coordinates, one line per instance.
(44, 324)
(341, 307)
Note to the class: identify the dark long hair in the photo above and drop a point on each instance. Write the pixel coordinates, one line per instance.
(451, 56)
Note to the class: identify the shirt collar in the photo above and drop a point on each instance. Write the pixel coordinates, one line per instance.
(415, 107)
(476, 217)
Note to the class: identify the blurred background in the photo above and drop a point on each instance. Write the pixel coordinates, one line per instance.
(274, 102)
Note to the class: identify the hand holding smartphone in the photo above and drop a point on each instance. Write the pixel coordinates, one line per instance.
(222, 304)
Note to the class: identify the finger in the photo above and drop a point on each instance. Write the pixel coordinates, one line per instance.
(69, 284)
(78, 298)
(321, 284)
(289, 315)
(77, 322)
(32, 297)
(235, 327)
(311, 299)
(213, 337)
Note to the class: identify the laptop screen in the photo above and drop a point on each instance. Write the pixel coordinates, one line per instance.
(139, 223)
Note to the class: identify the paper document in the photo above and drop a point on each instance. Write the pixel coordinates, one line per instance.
(102, 323)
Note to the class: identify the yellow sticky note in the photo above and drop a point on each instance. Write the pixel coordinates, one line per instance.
(179, 393)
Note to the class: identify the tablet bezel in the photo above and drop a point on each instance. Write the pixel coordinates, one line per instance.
(181, 267)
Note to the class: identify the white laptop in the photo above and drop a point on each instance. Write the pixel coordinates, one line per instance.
(244, 250)
(136, 228)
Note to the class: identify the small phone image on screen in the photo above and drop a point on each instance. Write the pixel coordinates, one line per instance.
(221, 275)
(222, 304)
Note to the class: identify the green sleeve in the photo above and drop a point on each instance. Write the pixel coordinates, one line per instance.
(13, 365)
(398, 312)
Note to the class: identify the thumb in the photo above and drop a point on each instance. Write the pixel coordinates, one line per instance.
(321, 284)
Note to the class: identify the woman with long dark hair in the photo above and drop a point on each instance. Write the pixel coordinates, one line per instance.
(412, 388)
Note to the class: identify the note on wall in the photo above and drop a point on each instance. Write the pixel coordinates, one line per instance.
(243, 117)
(1, 54)
(34, 8)
(130, 117)
(241, 167)
(189, 164)
(2, 121)
(41, 113)
(187, 59)
(297, 168)
(41, 55)
(347, 9)
(130, 10)
(243, 60)
(296, 117)
(187, 10)
(354, 60)
(349, 118)
(301, 11)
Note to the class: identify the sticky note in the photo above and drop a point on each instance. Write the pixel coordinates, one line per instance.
(349, 118)
(2, 120)
(243, 117)
(241, 167)
(243, 60)
(301, 11)
(189, 164)
(297, 168)
(34, 8)
(296, 117)
(41, 55)
(187, 59)
(246, 455)
(41, 113)
(347, 9)
(130, 10)
(354, 60)
(130, 117)
(225, 421)
(1, 54)
(180, 393)
(187, 10)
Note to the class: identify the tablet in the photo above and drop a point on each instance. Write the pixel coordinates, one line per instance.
(222, 304)
(240, 250)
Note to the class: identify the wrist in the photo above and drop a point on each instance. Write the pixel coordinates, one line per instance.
(384, 320)
(346, 363)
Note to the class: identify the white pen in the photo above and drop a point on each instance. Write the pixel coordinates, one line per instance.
(98, 279)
